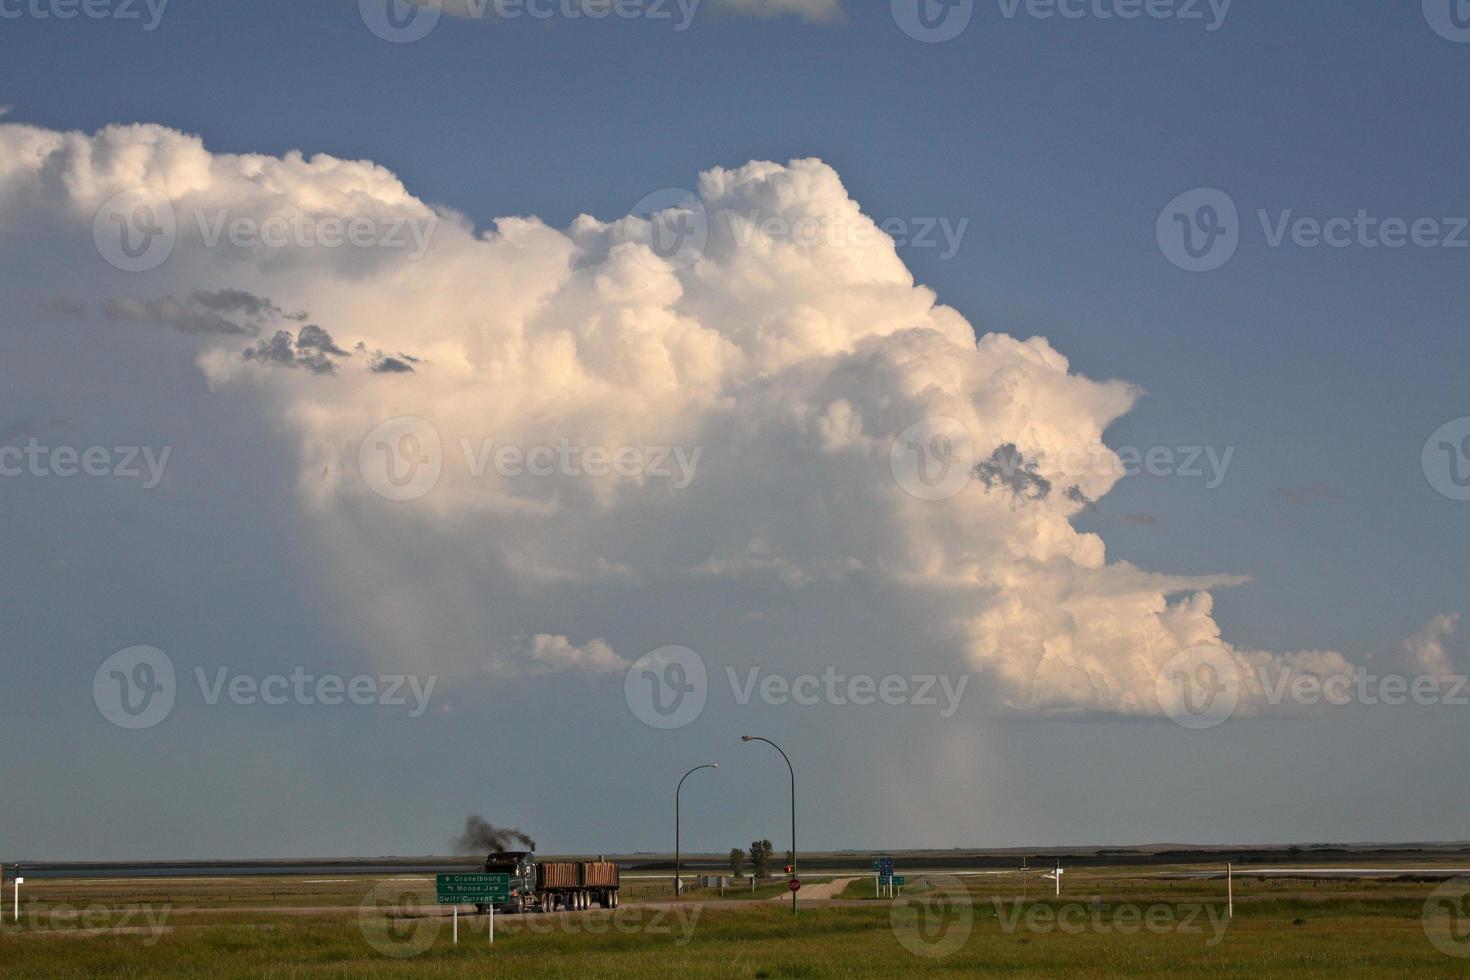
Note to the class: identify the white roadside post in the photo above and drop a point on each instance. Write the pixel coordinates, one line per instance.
(456, 925)
(492, 923)
(18, 883)
(1230, 889)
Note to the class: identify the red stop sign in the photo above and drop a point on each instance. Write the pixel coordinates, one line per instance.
(794, 885)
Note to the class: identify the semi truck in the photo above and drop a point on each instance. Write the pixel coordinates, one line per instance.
(545, 886)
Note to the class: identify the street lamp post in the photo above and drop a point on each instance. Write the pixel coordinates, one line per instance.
(678, 883)
(757, 738)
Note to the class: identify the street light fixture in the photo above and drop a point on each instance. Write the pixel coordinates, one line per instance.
(678, 882)
(757, 738)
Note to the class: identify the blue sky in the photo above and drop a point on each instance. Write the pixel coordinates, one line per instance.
(1059, 142)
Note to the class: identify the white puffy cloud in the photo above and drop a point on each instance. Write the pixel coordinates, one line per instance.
(597, 428)
(1425, 651)
(814, 10)
(548, 654)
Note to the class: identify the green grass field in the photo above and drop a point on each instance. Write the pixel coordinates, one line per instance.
(1109, 922)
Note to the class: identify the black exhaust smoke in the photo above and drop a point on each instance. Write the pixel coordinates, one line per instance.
(480, 837)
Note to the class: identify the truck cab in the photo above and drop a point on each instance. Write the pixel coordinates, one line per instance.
(521, 866)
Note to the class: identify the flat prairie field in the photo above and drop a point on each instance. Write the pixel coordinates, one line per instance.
(1107, 922)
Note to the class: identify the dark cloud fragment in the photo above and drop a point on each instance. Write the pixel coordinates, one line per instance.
(1008, 469)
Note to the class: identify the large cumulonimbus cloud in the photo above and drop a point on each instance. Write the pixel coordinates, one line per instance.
(758, 401)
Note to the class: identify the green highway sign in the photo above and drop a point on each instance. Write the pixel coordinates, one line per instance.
(899, 880)
(472, 889)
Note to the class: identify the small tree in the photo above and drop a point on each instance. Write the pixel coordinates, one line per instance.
(737, 862)
(760, 857)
